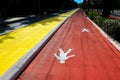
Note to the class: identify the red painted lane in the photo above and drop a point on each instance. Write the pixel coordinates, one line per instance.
(115, 17)
(95, 57)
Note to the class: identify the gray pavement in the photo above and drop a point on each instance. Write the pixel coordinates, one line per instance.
(116, 13)
(11, 24)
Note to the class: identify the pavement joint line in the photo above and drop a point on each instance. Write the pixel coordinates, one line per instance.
(112, 41)
(14, 71)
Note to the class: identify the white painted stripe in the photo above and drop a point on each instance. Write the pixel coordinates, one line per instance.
(23, 62)
(13, 72)
(114, 42)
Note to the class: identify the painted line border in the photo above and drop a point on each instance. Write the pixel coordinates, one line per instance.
(112, 41)
(17, 68)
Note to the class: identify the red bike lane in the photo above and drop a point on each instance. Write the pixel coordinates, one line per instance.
(90, 55)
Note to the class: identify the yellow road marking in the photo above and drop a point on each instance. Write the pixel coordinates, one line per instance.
(14, 45)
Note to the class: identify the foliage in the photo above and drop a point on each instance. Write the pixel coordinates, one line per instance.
(110, 26)
(108, 5)
(118, 4)
(12, 8)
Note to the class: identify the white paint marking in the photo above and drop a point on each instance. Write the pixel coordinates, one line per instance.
(115, 43)
(85, 30)
(63, 55)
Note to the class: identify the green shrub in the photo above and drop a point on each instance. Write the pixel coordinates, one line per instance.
(99, 20)
(110, 26)
(117, 34)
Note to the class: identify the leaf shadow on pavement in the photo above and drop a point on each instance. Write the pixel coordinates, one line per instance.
(8, 27)
(6, 37)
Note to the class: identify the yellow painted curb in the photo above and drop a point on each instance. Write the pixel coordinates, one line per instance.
(14, 45)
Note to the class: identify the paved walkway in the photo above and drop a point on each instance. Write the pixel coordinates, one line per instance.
(115, 15)
(78, 51)
(17, 46)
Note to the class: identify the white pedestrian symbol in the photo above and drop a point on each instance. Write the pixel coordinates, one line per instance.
(85, 30)
(63, 55)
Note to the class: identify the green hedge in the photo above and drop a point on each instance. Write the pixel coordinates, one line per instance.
(110, 26)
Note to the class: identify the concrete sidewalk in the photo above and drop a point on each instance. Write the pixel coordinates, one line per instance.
(116, 13)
